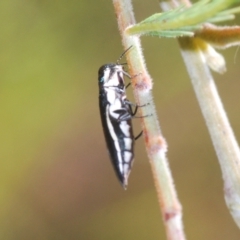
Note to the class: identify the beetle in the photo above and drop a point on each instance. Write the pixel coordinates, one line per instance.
(116, 114)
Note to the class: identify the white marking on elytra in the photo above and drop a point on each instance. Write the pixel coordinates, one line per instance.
(120, 162)
(126, 169)
(124, 126)
(111, 95)
(112, 132)
(128, 143)
(127, 156)
(116, 106)
(123, 168)
(115, 99)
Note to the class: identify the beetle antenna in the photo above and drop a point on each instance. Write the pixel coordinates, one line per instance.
(122, 63)
(123, 55)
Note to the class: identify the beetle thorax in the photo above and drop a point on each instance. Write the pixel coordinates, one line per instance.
(113, 76)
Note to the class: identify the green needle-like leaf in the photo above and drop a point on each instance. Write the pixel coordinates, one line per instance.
(200, 12)
(172, 34)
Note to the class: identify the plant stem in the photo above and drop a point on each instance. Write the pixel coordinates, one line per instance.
(154, 141)
(217, 122)
(214, 114)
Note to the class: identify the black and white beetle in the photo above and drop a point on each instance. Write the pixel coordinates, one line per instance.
(116, 114)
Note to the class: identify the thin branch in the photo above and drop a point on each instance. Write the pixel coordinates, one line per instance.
(221, 133)
(224, 141)
(155, 142)
(217, 122)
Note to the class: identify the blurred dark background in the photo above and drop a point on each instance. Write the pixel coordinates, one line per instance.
(56, 178)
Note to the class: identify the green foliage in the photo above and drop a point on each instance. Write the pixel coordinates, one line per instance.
(183, 21)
